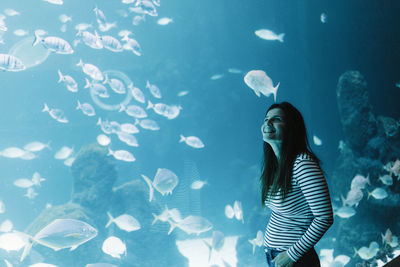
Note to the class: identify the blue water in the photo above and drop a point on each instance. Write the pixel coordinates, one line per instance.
(204, 39)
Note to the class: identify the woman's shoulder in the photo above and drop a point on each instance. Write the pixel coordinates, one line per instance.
(304, 156)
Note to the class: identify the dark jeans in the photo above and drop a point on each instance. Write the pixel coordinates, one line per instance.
(310, 259)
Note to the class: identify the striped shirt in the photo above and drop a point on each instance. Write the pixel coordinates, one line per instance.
(298, 222)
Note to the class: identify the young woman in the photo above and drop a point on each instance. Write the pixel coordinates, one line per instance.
(294, 188)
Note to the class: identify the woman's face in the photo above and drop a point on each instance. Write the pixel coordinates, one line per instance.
(274, 125)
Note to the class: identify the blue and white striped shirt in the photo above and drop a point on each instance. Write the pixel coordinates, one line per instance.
(298, 222)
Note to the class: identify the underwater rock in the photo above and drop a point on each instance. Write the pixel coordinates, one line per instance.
(358, 122)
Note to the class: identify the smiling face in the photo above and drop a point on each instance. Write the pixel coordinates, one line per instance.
(273, 127)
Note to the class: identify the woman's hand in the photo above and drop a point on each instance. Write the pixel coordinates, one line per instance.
(283, 260)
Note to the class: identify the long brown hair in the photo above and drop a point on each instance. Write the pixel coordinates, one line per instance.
(277, 175)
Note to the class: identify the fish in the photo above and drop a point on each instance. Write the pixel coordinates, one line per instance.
(395, 169)
(127, 138)
(229, 212)
(345, 212)
(269, 35)
(216, 76)
(20, 32)
(55, 2)
(354, 196)
(97, 88)
(53, 44)
(64, 152)
(388, 237)
(36, 146)
(317, 141)
(69, 82)
(41, 264)
(164, 182)
(378, 193)
(257, 241)
(132, 45)
(148, 124)
(2, 207)
(91, 70)
(154, 90)
(122, 155)
(111, 43)
(170, 112)
(69, 161)
(323, 17)
(83, 26)
(238, 210)
(124, 33)
(386, 179)
(100, 264)
(13, 241)
(23, 183)
(164, 21)
(86, 108)
(182, 93)
(56, 114)
(103, 140)
(137, 93)
(217, 242)
(192, 141)
(191, 225)
(90, 39)
(64, 18)
(30, 193)
(11, 12)
(367, 253)
(147, 7)
(37, 179)
(12, 152)
(360, 181)
(138, 19)
(167, 215)
(198, 184)
(260, 82)
(11, 63)
(133, 111)
(61, 233)
(100, 17)
(129, 128)
(114, 247)
(124, 222)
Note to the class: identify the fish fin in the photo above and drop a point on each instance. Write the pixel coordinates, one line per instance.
(355, 252)
(80, 63)
(149, 105)
(27, 249)
(280, 37)
(122, 107)
(155, 219)
(151, 189)
(45, 108)
(106, 78)
(111, 219)
(182, 138)
(369, 194)
(73, 248)
(87, 85)
(79, 105)
(343, 200)
(172, 226)
(37, 39)
(276, 90)
(257, 92)
(209, 248)
(60, 76)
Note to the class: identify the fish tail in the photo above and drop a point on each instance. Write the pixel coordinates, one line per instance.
(355, 252)
(27, 249)
(280, 37)
(369, 194)
(343, 200)
(110, 152)
(106, 79)
(61, 77)
(122, 108)
(136, 121)
(209, 250)
(275, 91)
(79, 105)
(98, 121)
(37, 39)
(80, 63)
(45, 108)
(182, 138)
(172, 226)
(149, 105)
(87, 85)
(155, 219)
(111, 219)
(147, 84)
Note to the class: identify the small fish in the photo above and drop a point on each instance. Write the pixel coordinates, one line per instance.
(53, 44)
(388, 237)
(100, 17)
(114, 247)
(69, 82)
(137, 93)
(129, 128)
(2, 207)
(100, 264)
(64, 152)
(148, 124)
(62, 233)
(192, 225)
(164, 21)
(217, 242)
(64, 18)
(138, 19)
(317, 141)
(198, 184)
(6, 226)
(12, 241)
(12, 152)
(41, 264)
(133, 111)
(122, 155)
(354, 196)
(237, 208)
(257, 241)
(170, 112)
(103, 140)
(182, 93)
(124, 222)
(11, 63)
(116, 85)
(192, 141)
(147, 7)
(23, 183)
(323, 17)
(367, 253)
(260, 82)
(386, 179)
(132, 45)
(91, 70)
(234, 71)
(97, 89)
(36, 146)
(82, 26)
(154, 90)
(216, 76)
(164, 182)
(359, 182)
(69, 161)
(11, 12)
(128, 139)
(345, 212)
(124, 33)
(20, 32)
(395, 169)
(378, 193)
(269, 35)
(90, 39)
(55, 2)
(111, 43)
(229, 212)
(30, 193)
(86, 108)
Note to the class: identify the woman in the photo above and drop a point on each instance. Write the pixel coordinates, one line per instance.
(294, 188)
